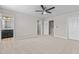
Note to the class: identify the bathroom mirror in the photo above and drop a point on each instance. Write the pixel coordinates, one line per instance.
(7, 22)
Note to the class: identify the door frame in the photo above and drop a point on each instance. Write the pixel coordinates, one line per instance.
(53, 27)
(14, 30)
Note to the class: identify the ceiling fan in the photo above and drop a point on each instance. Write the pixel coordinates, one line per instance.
(45, 10)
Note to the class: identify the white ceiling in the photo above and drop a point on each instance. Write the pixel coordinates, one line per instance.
(30, 9)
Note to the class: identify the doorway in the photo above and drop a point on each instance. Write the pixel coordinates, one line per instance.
(38, 28)
(51, 27)
(7, 27)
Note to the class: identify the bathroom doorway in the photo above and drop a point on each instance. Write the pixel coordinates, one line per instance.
(7, 27)
(51, 27)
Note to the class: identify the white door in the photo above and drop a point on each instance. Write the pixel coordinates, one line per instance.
(73, 26)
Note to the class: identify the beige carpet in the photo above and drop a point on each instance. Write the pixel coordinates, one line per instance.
(39, 45)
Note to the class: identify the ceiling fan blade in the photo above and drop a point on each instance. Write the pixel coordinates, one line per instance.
(42, 7)
(48, 12)
(50, 8)
(38, 11)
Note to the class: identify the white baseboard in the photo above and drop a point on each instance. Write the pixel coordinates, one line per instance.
(26, 36)
(73, 38)
(60, 36)
(35, 36)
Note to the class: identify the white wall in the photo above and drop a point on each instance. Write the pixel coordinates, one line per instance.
(25, 25)
(46, 28)
(61, 24)
(41, 24)
(60, 27)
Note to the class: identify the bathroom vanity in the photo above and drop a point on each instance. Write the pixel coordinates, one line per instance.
(7, 33)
